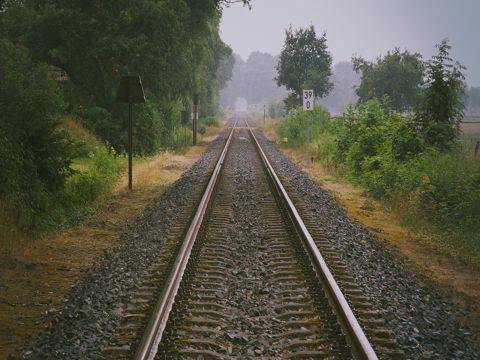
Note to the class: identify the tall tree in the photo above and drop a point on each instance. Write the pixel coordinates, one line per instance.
(440, 107)
(304, 63)
(398, 75)
(174, 45)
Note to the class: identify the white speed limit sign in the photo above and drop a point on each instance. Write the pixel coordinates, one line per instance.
(308, 99)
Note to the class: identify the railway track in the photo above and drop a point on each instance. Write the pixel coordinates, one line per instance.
(248, 280)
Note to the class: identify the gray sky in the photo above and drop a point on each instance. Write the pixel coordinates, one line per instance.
(363, 27)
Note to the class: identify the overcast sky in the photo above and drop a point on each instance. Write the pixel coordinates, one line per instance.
(363, 27)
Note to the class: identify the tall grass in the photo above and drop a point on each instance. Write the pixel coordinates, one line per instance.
(83, 192)
(87, 188)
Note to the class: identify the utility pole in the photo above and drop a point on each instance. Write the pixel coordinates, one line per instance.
(130, 145)
(264, 113)
(130, 91)
(195, 118)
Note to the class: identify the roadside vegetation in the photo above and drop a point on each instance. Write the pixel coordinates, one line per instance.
(406, 153)
(62, 135)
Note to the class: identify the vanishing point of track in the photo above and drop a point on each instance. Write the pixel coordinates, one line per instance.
(248, 280)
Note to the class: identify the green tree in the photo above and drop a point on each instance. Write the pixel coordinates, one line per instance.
(35, 153)
(304, 63)
(173, 45)
(398, 75)
(440, 108)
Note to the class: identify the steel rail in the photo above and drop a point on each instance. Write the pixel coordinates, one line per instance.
(153, 334)
(361, 348)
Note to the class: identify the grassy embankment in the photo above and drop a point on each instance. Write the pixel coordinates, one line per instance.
(98, 173)
(45, 269)
(435, 194)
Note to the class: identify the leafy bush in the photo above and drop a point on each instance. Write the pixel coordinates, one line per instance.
(113, 127)
(454, 192)
(293, 126)
(209, 121)
(385, 153)
(84, 189)
(371, 134)
(36, 154)
(202, 129)
(324, 146)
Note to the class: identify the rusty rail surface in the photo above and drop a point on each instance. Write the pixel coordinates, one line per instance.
(361, 347)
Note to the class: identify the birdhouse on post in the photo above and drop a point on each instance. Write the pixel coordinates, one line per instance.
(130, 91)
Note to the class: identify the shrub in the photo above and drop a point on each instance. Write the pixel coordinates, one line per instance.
(384, 152)
(35, 152)
(85, 188)
(372, 136)
(440, 104)
(454, 190)
(202, 129)
(293, 126)
(209, 120)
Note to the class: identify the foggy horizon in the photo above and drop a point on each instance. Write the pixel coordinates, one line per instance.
(409, 24)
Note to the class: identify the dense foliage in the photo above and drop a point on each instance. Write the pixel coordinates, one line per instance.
(35, 155)
(304, 64)
(440, 108)
(174, 45)
(398, 75)
(383, 151)
(409, 160)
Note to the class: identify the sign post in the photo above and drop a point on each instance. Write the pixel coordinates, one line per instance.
(184, 120)
(308, 102)
(195, 118)
(130, 91)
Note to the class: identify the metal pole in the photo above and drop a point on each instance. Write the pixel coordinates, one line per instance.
(195, 106)
(130, 144)
(308, 136)
(175, 136)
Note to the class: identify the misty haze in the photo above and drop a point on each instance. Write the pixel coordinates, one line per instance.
(240, 179)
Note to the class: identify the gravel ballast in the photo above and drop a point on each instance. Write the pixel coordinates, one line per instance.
(423, 322)
(99, 298)
(264, 305)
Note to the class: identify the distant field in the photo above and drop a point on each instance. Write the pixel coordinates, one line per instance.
(471, 118)
(471, 133)
(471, 128)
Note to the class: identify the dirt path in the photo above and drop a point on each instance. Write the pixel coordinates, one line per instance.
(457, 281)
(35, 277)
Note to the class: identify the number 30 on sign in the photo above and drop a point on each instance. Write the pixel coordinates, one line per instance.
(308, 100)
